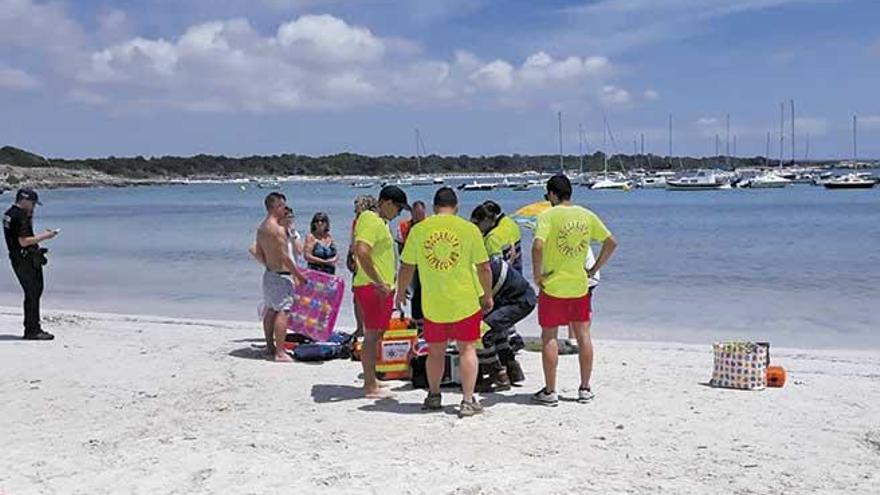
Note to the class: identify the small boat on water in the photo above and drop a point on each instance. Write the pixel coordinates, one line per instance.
(398, 183)
(850, 181)
(527, 186)
(477, 186)
(609, 184)
(420, 180)
(652, 182)
(269, 185)
(768, 180)
(702, 180)
(853, 180)
(362, 185)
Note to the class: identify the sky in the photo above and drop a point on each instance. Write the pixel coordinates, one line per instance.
(241, 77)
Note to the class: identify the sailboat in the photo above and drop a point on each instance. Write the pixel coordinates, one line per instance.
(419, 179)
(851, 180)
(770, 179)
(606, 182)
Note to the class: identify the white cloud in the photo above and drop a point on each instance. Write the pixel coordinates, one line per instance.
(324, 62)
(17, 80)
(44, 27)
(541, 69)
(495, 75)
(310, 62)
(612, 95)
(327, 39)
(651, 95)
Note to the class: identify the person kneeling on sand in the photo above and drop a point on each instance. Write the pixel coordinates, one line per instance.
(514, 299)
(278, 280)
(445, 248)
(559, 254)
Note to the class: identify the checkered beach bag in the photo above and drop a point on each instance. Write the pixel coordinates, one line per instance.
(741, 365)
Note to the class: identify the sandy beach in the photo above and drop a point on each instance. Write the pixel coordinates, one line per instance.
(136, 404)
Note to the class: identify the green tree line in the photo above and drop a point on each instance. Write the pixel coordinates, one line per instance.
(139, 167)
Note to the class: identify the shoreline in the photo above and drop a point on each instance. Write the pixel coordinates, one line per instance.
(13, 177)
(159, 320)
(127, 404)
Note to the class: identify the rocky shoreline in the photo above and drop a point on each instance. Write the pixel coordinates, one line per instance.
(12, 178)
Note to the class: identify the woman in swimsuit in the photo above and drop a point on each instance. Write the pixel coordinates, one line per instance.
(320, 249)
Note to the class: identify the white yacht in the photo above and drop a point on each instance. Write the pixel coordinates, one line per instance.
(701, 180)
(652, 182)
(610, 184)
(850, 181)
(478, 186)
(768, 180)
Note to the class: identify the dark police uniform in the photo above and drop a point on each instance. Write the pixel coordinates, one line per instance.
(514, 299)
(27, 264)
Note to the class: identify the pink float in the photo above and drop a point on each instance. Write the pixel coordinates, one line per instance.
(316, 305)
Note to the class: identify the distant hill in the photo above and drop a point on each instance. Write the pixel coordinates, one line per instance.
(172, 167)
(10, 155)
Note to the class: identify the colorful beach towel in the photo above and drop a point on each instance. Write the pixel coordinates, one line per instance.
(316, 305)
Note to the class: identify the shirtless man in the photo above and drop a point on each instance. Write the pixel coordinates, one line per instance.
(278, 279)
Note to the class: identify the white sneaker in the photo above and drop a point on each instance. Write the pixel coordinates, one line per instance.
(585, 395)
(545, 398)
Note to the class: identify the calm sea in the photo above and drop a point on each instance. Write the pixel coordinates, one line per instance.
(798, 266)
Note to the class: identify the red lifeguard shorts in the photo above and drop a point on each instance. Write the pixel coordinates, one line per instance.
(466, 330)
(375, 307)
(558, 311)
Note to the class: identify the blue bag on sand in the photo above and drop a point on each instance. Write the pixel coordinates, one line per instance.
(340, 338)
(322, 351)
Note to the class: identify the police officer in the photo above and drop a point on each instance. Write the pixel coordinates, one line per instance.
(27, 257)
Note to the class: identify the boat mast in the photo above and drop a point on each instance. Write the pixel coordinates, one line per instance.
(807, 150)
(792, 133)
(670, 137)
(727, 143)
(605, 145)
(781, 131)
(561, 163)
(581, 146)
(855, 143)
(418, 153)
(635, 151)
(767, 152)
(734, 145)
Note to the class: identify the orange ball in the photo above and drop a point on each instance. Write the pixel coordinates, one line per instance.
(775, 376)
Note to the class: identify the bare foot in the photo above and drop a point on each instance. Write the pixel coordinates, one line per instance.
(283, 357)
(378, 393)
